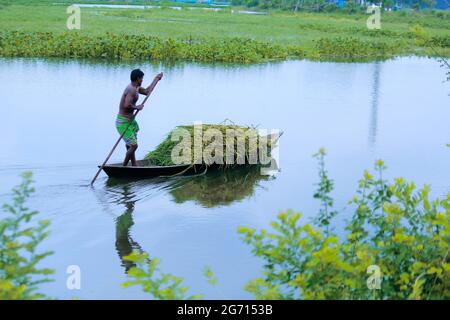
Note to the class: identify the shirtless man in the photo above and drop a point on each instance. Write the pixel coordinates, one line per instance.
(127, 108)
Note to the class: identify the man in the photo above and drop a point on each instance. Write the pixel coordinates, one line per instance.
(125, 122)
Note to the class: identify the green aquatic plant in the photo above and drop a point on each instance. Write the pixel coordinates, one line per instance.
(20, 237)
(354, 49)
(131, 47)
(395, 246)
(421, 37)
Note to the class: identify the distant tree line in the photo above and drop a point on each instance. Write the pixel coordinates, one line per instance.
(332, 5)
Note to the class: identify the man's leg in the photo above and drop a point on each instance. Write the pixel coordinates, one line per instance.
(125, 161)
(133, 156)
(131, 149)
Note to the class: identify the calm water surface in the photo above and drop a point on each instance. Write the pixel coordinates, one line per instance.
(58, 121)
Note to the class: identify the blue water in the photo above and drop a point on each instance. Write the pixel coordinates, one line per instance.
(58, 121)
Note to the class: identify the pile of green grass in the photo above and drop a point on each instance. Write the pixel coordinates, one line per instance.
(162, 155)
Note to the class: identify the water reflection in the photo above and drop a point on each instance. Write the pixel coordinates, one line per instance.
(125, 244)
(219, 188)
(215, 188)
(373, 125)
(123, 66)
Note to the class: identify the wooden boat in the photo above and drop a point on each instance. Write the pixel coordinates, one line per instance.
(145, 170)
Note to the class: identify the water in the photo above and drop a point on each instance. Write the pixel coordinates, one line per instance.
(58, 121)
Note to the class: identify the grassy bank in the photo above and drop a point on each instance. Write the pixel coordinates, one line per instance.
(199, 35)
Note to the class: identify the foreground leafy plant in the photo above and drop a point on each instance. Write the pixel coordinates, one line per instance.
(209, 276)
(19, 239)
(394, 228)
(161, 286)
(325, 186)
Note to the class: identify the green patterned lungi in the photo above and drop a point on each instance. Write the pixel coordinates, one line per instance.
(130, 136)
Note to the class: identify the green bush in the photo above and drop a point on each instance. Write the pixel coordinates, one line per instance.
(393, 226)
(20, 275)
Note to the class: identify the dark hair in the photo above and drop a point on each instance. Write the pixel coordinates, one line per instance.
(135, 74)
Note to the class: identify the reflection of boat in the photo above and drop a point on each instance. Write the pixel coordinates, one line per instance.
(219, 188)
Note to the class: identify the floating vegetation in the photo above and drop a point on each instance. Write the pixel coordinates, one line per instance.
(229, 50)
(222, 144)
(137, 47)
(112, 46)
(353, 49)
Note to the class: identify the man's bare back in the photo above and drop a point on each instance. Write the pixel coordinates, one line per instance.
(128, 100)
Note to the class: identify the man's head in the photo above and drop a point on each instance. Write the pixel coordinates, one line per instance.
(137, 76)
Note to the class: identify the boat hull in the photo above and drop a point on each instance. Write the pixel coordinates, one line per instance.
(145, 171)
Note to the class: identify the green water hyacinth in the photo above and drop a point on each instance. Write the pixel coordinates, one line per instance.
(137, 47)
(125, 47)
(353, 49)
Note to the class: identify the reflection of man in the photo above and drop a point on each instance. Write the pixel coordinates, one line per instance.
(124, 243)
(125, 123)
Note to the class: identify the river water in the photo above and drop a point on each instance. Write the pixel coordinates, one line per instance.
(58, 122)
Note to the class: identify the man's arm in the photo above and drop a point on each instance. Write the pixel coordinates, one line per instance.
(149, 89)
